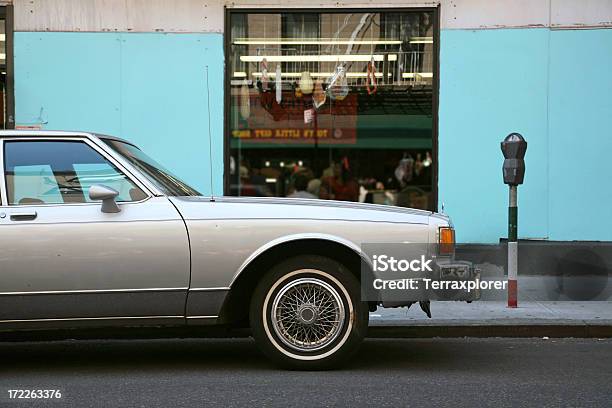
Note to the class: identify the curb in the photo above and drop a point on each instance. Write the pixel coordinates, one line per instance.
(522, 330)
(412, 331)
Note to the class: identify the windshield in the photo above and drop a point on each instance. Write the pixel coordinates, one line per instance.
(155, 172)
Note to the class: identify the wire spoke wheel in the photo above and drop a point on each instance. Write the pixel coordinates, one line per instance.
(308, 314)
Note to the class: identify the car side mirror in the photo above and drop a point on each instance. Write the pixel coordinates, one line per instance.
(107, 195)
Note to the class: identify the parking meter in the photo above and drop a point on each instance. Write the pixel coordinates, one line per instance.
(514, 147)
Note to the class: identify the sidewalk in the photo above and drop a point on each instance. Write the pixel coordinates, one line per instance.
(493, 318)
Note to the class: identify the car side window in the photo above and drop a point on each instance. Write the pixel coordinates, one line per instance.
(58, 172)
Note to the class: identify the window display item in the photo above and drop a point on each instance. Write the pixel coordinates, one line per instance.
(309, 115)
(338, 84)
(428, 160)
(279, 84)
(245, 100)
(371, 84)
(264, 75)
(319, 96)
(306, 84)
(404, 170)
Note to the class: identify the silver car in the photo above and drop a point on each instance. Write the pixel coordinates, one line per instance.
(93, 232)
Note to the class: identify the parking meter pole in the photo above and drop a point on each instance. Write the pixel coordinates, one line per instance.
(513, 147)
(513, 248)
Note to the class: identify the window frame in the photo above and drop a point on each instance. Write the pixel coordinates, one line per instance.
(7, 13)
(4, 190)
(435, 10)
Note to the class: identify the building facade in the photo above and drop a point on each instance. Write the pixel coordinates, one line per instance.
(407, 100)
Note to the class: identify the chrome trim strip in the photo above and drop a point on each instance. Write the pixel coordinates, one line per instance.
(90, 203)
(91, 318)
(208, 289)
(85, 291)
(41, 132)
(91, 222)
(202, 317)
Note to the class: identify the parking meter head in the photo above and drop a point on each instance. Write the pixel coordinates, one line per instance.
(514, 148)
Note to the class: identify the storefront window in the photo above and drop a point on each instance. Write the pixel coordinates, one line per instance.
(332, 106)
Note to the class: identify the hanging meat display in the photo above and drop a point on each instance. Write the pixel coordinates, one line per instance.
(279, 84)
(319, 96)
(371, 84)
(264, 75)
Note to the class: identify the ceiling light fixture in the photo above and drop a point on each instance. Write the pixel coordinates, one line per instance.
(317, 58)
(313, 74)
(417, 74)
(421, 40)
(310, 41)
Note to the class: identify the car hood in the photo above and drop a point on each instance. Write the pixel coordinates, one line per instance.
(296, 208)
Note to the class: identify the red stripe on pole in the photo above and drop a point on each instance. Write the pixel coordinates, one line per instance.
(512, 293)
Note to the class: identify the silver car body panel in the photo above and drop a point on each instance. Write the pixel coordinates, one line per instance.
(58, 251)
(228, 233)
(164, 259)
(132, 263)
(74, 262)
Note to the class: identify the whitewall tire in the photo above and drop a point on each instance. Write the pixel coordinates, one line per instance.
(306, 313)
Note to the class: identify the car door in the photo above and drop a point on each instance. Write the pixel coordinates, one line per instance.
(63, 260)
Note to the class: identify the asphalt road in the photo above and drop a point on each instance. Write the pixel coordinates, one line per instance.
(411, 372)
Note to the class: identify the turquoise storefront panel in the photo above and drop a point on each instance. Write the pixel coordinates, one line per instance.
(68, 81)
(149, 88)
(580, 135)
(492, 82)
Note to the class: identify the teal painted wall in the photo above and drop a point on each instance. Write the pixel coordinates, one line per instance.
(553, 87)
(580, 135)
(149, 88)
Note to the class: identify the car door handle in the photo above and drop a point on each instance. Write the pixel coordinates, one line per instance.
(23, 216)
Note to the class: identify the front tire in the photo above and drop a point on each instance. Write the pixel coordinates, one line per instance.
(306, 313)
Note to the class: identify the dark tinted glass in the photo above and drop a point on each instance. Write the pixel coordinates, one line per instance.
(55, 172)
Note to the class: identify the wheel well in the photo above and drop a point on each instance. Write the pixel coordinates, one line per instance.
(235, 310)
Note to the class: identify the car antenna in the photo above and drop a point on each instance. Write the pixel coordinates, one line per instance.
(212, 191)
